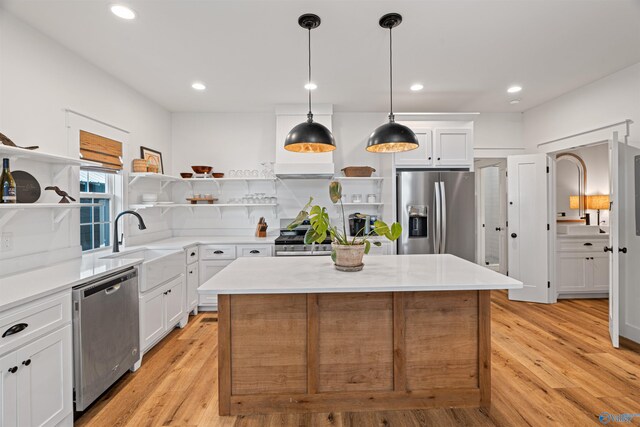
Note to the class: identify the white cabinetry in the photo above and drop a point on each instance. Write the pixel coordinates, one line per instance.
(192, 277)
(161, 309)
(582, 268)
(36, 367)
(442, 144)
(213, 258)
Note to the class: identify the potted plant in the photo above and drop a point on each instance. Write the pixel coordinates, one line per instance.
(347, 252)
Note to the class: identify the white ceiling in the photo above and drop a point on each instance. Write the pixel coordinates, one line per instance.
(252, 54)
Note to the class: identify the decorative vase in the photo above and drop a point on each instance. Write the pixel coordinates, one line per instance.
(348, 257)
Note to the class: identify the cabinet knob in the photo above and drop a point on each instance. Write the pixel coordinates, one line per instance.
(623, 250)
(13, 370)
(193, 254)
(514, 235)
(608, 249)
(27, 362)
(498, 229)
(438, 158)
(429, 158)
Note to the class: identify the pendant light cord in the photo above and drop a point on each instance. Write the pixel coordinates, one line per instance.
(309, 115)
(391, 117)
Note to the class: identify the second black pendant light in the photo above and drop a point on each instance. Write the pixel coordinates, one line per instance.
(309, 136)
(391, 137)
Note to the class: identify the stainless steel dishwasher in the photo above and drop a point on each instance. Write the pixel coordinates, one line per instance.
(106, 337)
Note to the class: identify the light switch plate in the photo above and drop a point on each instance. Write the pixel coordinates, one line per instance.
(6, 242)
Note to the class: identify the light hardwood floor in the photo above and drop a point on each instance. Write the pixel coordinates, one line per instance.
(552, 365)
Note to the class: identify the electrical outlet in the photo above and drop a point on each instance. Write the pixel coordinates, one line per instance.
(6, 242)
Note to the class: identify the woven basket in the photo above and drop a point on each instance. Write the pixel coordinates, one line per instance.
(139, 165)
(358, 171)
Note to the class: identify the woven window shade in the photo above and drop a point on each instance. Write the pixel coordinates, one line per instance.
(105, 151)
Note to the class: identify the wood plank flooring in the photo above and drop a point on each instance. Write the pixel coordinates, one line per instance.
(553, 365)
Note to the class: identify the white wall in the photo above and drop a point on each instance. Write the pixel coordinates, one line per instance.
(606, 101)
(39, 79)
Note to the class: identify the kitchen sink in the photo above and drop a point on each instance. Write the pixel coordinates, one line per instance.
(158, 266)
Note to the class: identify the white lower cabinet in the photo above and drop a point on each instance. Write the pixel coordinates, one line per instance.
(581, 267)
(36, 382)
(193, 282)
(208, 269)
(161, 309)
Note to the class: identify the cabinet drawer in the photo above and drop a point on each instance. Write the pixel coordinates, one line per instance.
(24, 323)
(191, 254)
(255, 250)
(218, 252)
(208, 300)
(594, 245)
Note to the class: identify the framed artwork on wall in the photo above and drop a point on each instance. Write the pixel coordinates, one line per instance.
(153, 158)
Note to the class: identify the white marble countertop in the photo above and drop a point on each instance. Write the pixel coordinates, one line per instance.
(186, 241)
(30, 285)
(380, 274)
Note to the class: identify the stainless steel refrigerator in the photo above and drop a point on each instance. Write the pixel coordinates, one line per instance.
(437, 212)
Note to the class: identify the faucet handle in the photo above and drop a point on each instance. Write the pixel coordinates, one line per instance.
(121, 238)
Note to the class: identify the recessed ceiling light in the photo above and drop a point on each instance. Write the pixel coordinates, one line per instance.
(198, 86)
(311, 86)
(123, 12)
(514, 101)
(514, 89)
(416, 87)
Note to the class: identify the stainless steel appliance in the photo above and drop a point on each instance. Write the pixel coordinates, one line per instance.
(437, 212)
(291, 243)
(106, 334)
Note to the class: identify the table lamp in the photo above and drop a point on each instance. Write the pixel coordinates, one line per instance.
(574, 203)
(597, 202)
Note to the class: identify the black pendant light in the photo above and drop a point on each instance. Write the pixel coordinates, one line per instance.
(309, 137)
(391, 137)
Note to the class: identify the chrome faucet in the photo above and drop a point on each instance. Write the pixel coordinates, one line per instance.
(116, 241)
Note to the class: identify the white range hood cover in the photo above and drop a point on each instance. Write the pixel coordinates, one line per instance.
(301, 165)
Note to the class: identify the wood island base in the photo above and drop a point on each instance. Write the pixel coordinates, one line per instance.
(353, 351)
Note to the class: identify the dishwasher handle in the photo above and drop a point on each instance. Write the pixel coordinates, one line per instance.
(112, 289)
(107, 283)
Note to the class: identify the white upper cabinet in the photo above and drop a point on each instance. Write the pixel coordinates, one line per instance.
(421, 156)
(442, 144)
(453, 147)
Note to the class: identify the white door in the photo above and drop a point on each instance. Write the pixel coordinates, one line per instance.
(44, 379)
(624, 268)
(421, 156)
(174, 301)
(192, 285)
(152, 317)
(453, 147)
(8, 386)
(527, 213)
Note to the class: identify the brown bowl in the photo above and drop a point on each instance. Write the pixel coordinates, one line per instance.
(202, 169)
(186, 174)
(218, 175)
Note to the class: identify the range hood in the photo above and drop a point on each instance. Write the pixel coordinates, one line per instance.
(290, 165)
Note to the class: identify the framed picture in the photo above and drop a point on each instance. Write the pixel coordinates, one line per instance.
(153, 158)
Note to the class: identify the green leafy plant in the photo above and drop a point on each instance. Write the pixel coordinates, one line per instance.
(321, 224)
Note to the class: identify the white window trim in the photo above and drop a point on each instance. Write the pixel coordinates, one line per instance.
(113, 198)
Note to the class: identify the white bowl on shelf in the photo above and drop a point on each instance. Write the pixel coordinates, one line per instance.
(149, 197)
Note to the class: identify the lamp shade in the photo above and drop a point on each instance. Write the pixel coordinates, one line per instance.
(309, 137)
(574, 202)
(392, 137)
(600, 201)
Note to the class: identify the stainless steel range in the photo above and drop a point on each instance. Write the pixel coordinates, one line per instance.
(291, 243)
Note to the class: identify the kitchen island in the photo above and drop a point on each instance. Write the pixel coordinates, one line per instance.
(409, 331)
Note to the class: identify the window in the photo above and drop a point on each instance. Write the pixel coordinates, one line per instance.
(95, 221)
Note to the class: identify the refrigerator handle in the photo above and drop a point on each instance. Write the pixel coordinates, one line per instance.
(443, 233)
(436, 234)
